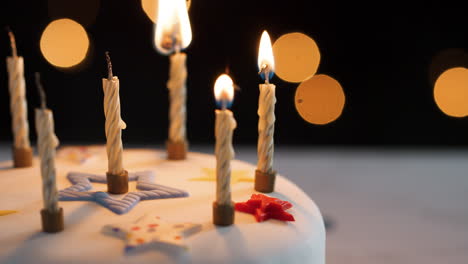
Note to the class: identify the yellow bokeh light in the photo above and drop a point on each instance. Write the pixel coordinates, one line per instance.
(451, 92)
(297, 57)
(320, 99)
(64, 43)
(151, 8)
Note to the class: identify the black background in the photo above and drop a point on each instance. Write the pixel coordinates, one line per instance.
(384, 54)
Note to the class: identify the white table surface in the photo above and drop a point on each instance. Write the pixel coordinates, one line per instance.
(385, 206)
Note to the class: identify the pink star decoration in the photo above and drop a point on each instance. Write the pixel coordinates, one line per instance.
(152, 230)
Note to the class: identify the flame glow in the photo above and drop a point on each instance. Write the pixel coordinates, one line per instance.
(224, 90)
(172, 31)
(265, 54)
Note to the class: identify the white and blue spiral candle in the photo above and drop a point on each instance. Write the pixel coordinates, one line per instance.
(47, 142)
(18, 107)
(114, 123)
(266, 107)
(224, 127)
(173, 34)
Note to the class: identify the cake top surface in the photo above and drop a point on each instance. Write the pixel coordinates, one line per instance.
(85, 239)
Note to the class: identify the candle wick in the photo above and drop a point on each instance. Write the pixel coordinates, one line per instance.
(40, 88)
(266, 72)
(12, 42)
(109, 66)
(177, 43)
(223, 104)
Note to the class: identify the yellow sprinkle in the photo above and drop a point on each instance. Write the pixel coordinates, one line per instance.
(7, 212)
(236, 176)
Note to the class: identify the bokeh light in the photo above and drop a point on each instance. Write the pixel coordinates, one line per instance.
(64, 43)
(297, 57)
(451, 92)
(151, 8)
(320, 100)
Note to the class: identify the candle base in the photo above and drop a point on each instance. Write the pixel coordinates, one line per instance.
(52, 222)
(117, 184)
(22, 157)
(265, 182)
(176, 150)
(223, 214)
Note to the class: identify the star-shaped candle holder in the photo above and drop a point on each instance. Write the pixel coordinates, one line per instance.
(148, 190)
(151, 230)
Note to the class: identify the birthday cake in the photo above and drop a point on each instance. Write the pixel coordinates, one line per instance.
(95, 233)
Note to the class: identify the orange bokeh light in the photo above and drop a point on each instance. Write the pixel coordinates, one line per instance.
(64, 43)
(451, 92)
(320, 100)
(297, 57)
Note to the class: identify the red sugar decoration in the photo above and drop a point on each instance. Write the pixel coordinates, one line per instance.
(135, 228)
(264, 207)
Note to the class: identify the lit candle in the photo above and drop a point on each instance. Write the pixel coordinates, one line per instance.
(117, 177)
(22, 152)
(172, 34)
(265, 175)
(223, 207)
(47, 142)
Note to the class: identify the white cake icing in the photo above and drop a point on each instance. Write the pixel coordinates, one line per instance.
(82, 241)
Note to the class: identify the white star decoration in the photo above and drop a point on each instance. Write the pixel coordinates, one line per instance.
(152, 230)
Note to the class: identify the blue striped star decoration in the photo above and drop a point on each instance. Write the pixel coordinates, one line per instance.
(147, 190)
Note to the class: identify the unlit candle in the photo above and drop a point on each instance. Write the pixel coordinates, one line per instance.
(18, 106)
(47, 143)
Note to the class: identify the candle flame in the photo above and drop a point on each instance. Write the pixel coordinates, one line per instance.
(266, 60)
(172, 31)
(224, 90)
